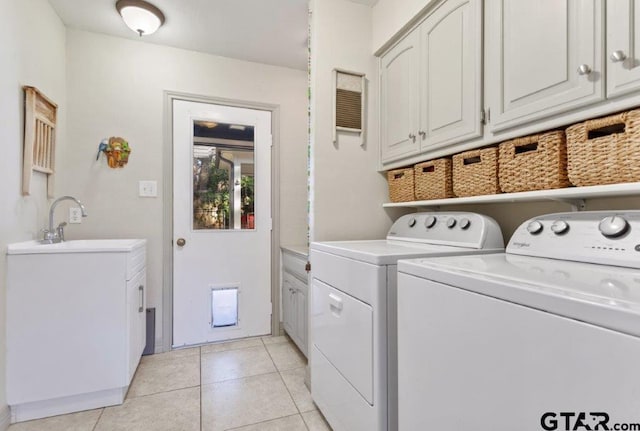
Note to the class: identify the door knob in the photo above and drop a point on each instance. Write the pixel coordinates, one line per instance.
(181, 242)
(584, 69)
(618, 56)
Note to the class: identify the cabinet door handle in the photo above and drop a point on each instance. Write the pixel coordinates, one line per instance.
(617, 56)
(422, 134)
(412, 137)
(584, 69)
(141, 291)
(335, 302)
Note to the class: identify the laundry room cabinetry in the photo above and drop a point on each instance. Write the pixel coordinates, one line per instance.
(75, 324)
(542, 58)
(295, 295)
(623, 47)
(430, 83)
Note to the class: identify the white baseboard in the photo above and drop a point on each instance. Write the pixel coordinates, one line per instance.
(64, 405)
(5, 418)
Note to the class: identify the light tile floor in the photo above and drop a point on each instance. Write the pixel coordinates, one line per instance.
(254, 384)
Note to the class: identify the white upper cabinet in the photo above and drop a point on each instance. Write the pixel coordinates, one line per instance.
(623, 45)
(431, 83)
(451, 74)
(399, 100)
(543, 57)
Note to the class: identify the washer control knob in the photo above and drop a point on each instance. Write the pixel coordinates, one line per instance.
(613, 227)
(534, 228)
(451, 223)
(430, 221)
(560, 227)
(464, 223)
(412, 222)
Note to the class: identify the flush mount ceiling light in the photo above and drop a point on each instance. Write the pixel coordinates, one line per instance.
(140, 16)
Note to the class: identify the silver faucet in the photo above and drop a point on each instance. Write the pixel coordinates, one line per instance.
(52, 236)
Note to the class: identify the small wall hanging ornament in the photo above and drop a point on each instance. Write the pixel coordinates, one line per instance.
(117, 151)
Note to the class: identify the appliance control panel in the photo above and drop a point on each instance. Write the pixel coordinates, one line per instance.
(605, 237)
(461, 229)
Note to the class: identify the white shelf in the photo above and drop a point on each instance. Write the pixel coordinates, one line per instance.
(572, 195)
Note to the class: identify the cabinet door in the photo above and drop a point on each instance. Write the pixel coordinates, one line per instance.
(136, 321)
(451, 74)
(544, 57)
(399, 100)
(301, 317)
(288, 307)
(623, 45)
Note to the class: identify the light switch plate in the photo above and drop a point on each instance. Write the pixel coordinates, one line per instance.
(75, 215)
(148, 189)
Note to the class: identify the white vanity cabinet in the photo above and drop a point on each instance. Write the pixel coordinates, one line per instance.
(75, 324)
(431, 81)
(623, 47)
(295, 295)
(543, 58)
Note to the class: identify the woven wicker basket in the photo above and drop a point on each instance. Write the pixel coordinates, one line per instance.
(536, 162)
(433, 180)
(476, 173)
(605, 150)
(401, 185)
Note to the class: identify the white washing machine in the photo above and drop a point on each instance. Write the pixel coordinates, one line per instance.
(353, 312)
(543, 337)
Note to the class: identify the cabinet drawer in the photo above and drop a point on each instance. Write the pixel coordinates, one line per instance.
(294, 264)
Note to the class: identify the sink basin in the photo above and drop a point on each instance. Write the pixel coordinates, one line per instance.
(75, 246)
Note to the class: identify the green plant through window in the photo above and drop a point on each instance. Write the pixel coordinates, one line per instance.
(223, 184)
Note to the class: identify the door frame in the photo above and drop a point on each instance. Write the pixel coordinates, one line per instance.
(167, 210)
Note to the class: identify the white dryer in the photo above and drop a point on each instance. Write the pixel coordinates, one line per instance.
(353, 312)
(543, 337)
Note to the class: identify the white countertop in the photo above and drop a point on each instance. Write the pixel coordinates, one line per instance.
(300, 250)
(76, 246)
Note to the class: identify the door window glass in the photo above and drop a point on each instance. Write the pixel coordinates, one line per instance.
(223, 176)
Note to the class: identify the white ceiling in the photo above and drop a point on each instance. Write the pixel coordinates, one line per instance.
(265, 31)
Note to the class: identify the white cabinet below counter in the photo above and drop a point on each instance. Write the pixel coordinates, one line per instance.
(295, 295)
(75, 324)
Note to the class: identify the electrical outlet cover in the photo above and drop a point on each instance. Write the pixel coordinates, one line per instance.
(75, 215)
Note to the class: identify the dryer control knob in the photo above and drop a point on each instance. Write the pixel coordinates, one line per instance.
(560, 227)
(613, 226)
(465, 223)
(430, 221)
(412, 222)
(451, 223)
(534, 228)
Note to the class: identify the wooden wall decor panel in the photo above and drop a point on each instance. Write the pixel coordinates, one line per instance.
(39, 138)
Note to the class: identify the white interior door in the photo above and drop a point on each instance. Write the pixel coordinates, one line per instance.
(221, 222)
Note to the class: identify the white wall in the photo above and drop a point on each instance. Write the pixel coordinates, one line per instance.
(32, 47)
(115, 88)
(391, 16)
(347, 191)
